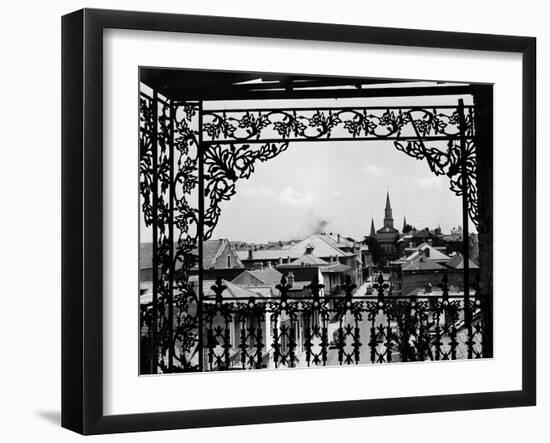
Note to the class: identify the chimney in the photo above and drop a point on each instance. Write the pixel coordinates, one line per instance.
(290, 278)
(261, 266)
(288, 259)
(410, 244)
(430, 241)
(280, 260)
(427, 252)
(309, 249)
(338, 238)
(250, 254)
(269, 264)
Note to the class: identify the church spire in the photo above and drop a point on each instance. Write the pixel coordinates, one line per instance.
(372, 231)
(388, 218)
(404, 223)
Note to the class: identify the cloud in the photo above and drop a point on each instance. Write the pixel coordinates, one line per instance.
(374, 170)
(291, 197)
(259, 191)
(431, 182)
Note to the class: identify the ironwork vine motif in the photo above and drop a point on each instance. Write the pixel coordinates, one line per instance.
(410, 128)
(223, 166)
(448, 162)
(226, 126)
(168, 177)
(179, 332)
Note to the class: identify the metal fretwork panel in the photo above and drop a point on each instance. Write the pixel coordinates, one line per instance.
(324, 330)
(190, 162)
(169, 200)
(334, 123)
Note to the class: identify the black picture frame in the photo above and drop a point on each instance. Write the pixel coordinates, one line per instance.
(82, 220)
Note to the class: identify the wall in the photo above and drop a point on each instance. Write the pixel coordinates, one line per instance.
(30, 183)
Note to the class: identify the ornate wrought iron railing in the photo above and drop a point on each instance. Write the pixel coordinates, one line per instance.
(289, 331)
(190, 162)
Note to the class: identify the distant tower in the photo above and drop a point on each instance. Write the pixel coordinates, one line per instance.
(404, 224)
(372, 231)
(388, 218)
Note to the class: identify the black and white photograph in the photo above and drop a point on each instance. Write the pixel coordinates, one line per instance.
(300, 221)
(238, 221)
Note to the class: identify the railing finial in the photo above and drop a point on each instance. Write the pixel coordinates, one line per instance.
(380, 286)
(218, 289)
(284, 287)
(315, 287)
(348, 287)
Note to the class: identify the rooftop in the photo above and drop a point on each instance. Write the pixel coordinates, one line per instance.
(211, 249)
(425, 248)
(421, 263)
(306, 260)
(266, 276)
(457, 262)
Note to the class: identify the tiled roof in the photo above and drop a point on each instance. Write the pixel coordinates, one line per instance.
(422, 233)
(232, 291)
(457, 262)
(269, 254)
(264, 291)
(324, 246)
(337, 268)
(434, 253)
(405, 237)
(306, 260)
(333, 240)
(210, 250)
(300, 285)
(421, 264)
(386, 229)
(266, 276)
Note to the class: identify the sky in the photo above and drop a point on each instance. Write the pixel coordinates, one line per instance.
(341, 185)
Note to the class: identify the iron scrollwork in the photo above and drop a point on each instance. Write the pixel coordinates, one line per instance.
(223, 166)
(340, 330)
(230, 126)
(241, 333)
(447, 162)
(168, 178)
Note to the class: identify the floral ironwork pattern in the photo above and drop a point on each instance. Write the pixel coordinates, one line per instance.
(332, 123)
(448, 162)
(168, 177)
(223, 166)
(186, 333)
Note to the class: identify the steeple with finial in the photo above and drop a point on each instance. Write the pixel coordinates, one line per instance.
(404, 224)
(388, 218)
(372, 231)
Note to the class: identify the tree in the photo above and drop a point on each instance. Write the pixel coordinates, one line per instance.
(407, 228)
(375, 249)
